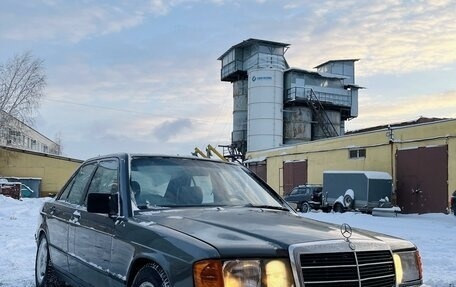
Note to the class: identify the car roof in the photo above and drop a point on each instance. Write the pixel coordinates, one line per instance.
(126, 156)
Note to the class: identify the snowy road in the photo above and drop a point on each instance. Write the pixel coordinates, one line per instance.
(434, 234)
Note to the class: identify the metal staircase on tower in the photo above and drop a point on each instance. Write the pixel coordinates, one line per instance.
(321, 116)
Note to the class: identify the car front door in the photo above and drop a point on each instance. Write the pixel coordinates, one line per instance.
(92, 233)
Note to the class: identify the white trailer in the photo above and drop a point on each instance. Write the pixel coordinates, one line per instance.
(356, 190)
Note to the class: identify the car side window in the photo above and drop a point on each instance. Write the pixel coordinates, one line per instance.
(105, 179)
(74, 191)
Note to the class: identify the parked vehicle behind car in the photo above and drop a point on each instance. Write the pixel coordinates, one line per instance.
(305, 197)
(143, 220)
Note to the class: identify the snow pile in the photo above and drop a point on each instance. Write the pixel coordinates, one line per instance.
(434, 235)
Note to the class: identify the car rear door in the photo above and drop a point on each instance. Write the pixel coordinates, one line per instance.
(59, 214)
(92, 233)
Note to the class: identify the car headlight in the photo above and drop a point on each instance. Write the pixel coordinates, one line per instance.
(408, 267)
(243, 273)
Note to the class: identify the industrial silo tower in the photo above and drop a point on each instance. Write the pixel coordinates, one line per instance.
(255, 67)
(275, 105)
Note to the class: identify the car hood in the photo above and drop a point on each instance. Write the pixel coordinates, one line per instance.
(255, 231)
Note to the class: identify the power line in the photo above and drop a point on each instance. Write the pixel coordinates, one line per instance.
(104, 107)
(121, 110)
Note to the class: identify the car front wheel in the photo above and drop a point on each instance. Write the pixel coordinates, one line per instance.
(151, 275)
(44, 272)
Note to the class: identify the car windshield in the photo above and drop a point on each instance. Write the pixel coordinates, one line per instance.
(168, 182)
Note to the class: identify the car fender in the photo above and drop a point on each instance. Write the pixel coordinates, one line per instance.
(183, 251)
(41, 227)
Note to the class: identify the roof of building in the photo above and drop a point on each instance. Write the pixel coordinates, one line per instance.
(27, 126)
(420, 120)
(333, 61)
(250, 41)
(37, 153)
(325, 75)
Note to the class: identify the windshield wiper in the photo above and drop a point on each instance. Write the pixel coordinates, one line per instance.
(151, 207)
(267, 207)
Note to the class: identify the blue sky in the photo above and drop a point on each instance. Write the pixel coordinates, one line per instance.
(143, 76)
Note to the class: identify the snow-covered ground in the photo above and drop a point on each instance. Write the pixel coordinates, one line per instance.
(434, 234)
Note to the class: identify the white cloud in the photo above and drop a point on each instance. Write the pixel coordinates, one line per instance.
(151, 85)
(389, 36)
(163, 7)
(159, 7)
(66, 21)
(380, 110)
(170, 130)
(139, 101)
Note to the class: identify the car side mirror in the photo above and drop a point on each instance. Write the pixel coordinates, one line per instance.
(106, 203)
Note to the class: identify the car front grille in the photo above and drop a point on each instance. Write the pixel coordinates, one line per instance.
(348, 268)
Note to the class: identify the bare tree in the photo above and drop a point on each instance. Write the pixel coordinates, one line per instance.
(22, 83)
(58, 147)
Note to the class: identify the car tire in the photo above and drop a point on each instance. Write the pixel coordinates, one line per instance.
(305, 207)
(338, 208)
(44, 272)
(151, 275)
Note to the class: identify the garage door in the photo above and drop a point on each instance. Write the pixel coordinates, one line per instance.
(294, 173)
(422, 175)
(259, 168)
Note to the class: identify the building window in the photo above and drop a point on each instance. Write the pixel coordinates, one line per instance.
(14, 137)
(33, 144)
(357, 153)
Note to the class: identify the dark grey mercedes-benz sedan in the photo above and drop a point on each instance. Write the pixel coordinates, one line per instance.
(146, 220)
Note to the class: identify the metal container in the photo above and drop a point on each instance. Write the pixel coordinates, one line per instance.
(334, 119)
(11, 189)
(265, 109)
(297, 125)
(239, 111)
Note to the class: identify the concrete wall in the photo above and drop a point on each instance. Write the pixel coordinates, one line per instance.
(54, 171)
(333, 153)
